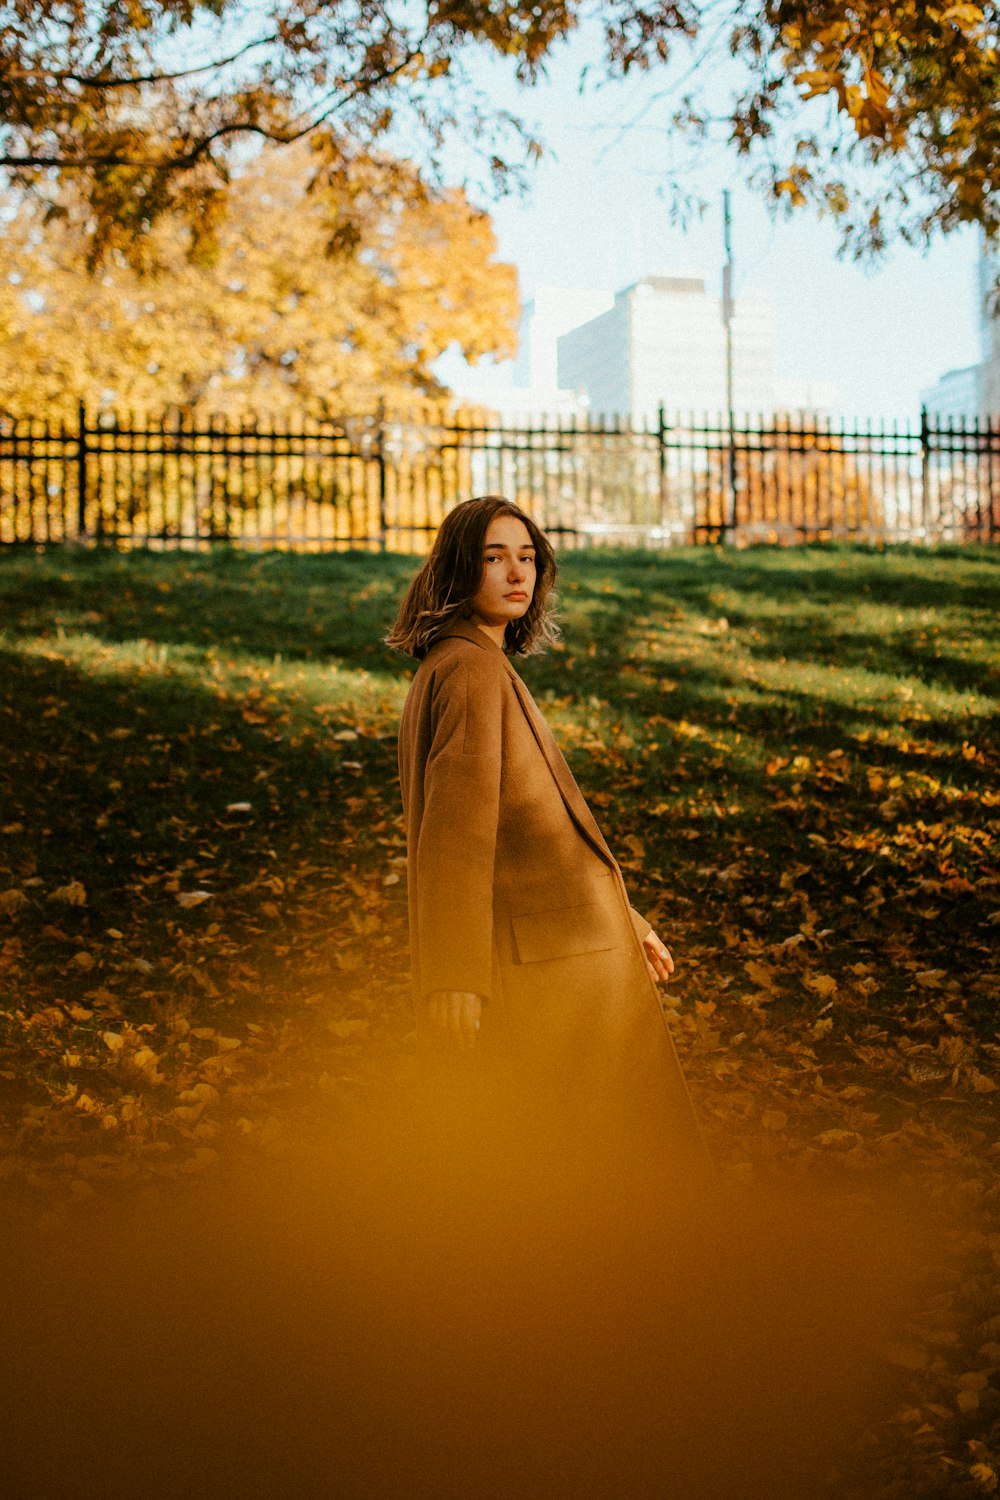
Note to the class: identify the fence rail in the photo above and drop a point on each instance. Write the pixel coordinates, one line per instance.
(382, 481)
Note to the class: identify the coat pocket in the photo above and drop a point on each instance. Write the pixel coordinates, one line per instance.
(564, 931)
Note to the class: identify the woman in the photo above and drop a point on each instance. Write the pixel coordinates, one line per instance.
(526, 954)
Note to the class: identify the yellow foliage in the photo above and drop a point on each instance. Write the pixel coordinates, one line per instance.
(912, 79)
(325, 297)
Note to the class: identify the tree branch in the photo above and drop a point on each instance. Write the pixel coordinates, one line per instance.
(96, 81)
(184, 160)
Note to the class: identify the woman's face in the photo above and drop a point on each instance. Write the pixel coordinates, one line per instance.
(508, 580)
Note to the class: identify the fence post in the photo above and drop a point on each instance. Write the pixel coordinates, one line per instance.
(81, 469)
(991, 434)
(925, 471)
(729, 520)
(661, 437)
(380, 458)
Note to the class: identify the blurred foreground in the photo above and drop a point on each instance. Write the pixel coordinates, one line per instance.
(438, 1307)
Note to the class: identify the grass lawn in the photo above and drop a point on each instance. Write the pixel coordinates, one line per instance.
(794, 754)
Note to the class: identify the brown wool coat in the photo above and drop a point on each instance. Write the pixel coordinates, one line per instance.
(514, 894)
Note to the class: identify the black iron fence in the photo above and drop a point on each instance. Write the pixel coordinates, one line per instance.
(385, 481)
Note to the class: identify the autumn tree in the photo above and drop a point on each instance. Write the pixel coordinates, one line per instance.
(886, 115)
(324, 296)
(911, 89)
(148, 105)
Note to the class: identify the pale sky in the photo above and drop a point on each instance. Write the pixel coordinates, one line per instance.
(594, 217)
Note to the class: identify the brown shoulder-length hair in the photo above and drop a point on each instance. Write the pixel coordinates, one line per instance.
(453, 572)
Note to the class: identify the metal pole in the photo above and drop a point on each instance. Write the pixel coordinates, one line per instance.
(81, 470)
(727, 317)
(925, 473)
(661, 451)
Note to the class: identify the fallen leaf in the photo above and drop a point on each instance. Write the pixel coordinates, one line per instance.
(908, 1356)
(837, 1138)
(200, 1093)
(146, 1060)
(344, 1029)
(73, 894)
(139, 965)
(760, 974)
(188, 899)
(820, 984)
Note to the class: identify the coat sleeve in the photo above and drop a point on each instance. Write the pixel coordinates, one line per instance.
(456, 849)
(639, 923)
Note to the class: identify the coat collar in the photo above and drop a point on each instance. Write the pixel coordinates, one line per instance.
(469, 631)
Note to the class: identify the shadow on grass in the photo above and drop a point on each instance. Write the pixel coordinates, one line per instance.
(333, 606)
(168, 809)
(902, 577)
(338, 605)
(817, 609)
(123, 784)
(723, 697)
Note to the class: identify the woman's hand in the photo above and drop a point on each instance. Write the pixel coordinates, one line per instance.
(658, 960)
(454, 1016)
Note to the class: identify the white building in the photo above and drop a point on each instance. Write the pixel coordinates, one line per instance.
(552, 311)
(989, 331)
(662, 342)
(957, 395)
(974, 390)
(987, 275)
(528, 390)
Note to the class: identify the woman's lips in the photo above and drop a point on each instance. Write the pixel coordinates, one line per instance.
(518, 594)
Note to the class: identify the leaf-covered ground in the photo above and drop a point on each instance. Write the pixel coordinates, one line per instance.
(794, 753)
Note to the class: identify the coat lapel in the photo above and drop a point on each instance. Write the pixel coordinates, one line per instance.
(574, 799)
(576, 804)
